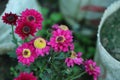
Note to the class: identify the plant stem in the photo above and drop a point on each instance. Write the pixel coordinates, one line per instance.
(48, 35)
(74, 78)
(44, 67)
(78, 76)
(13, 36)
(49, 60)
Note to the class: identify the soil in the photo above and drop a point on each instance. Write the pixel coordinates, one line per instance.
(110, 35)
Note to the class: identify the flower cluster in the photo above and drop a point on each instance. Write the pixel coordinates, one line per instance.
(61, 40)
(29, 21)
(26, 24)
(29, 51)
(90, 66)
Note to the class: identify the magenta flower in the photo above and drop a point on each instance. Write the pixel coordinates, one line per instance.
(10, 18)
(74, 59)
(24, 29)
(61, 40)
(92, 69)
(26, 54)
(63, 27)
(31, 15)
(41, 46)
(26, 76)
(55, 26)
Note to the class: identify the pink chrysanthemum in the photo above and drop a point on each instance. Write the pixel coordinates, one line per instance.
(26, 54)
(74, 59)
(55, 26)
(26, 76)
(92, 69)
(63, 27)
(10, 18)
(31, 15)
(41, 46)
(61, 40)
(24, 29)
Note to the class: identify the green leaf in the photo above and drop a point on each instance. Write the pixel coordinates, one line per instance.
(45, 76)
(12, 54)
(20, 67)
(56, 17)
(49, 70)
(45, 11)
(61, 56)
(13, 71)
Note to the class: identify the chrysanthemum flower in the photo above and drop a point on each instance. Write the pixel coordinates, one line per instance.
(61, 40)
(31, 15)
(74, 59)
(92, 69)
(41, 46)
(26, 76)
(63, 27)
(26, 54)
(10, 18)
(55, 26)
(24, 29)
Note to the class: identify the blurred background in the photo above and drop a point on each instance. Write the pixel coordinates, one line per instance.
(81, 16)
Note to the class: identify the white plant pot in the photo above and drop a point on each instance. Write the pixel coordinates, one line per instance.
(15, 6)
(110, 67)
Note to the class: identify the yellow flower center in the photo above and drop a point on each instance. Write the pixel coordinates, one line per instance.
(64, 27)
(73, 54)
(26, 53)
(40, 43)
(91, 67)
(60, 39)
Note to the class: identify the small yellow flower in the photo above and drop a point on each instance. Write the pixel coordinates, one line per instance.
(26, 53)
(73, 54)
(40, 43)
(91, 67)
(64, 27)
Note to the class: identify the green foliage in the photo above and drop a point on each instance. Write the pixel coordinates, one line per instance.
(56, 17)
(50, 18)
(85, 45)
(12, 54)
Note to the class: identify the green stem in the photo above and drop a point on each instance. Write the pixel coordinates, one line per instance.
(13, 36)
(49, 60)
(44, 67)
(78, 76)
(48, 35)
